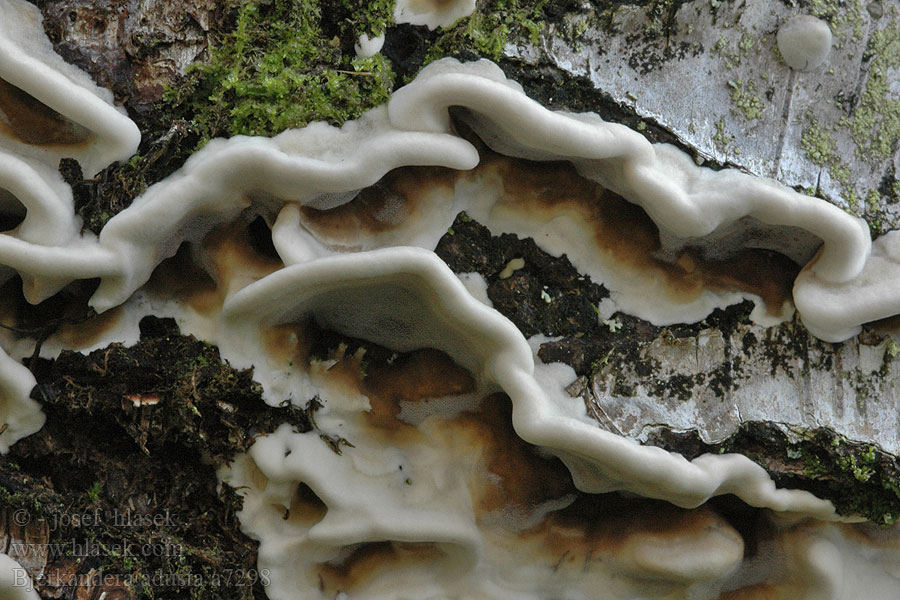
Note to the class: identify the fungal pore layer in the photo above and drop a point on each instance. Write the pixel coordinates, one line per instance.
(447, 460)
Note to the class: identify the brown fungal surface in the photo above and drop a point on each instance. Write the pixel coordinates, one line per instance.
(622, 234)
(202, 274)
(32, 122)
(65, 316)
(375, 560)
(524, 501)
(399, 198)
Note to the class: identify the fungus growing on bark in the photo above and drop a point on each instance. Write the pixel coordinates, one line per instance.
(448, 487)
(804, 42)
(50, 109)
(432, 13)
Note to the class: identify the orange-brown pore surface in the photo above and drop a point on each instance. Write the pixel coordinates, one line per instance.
(622, 232)
(232, 256)
(507, 476)
(32, 122)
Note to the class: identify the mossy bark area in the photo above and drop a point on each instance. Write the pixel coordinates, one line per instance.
(118, 491)
(548, 296)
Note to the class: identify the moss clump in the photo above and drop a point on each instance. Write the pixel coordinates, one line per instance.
(860, 479)
(487, 31)
(284, 64)
(121, 479)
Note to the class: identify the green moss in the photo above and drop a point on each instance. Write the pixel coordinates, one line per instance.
(368, 16)
(283, 65)
(487, 31)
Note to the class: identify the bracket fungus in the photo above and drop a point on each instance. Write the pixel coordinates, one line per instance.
(447, 460)
(49, 109)
(432, 13)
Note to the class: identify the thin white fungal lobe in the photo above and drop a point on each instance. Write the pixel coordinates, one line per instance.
(804, 42)
(448, 461)
(50, 109)
(432, 13)
(368, 46)
(15, 584)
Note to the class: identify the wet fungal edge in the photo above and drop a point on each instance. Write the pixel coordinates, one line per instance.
(859, 478)
(117, 496)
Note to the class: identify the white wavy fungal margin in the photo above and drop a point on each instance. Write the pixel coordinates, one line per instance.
(432, 13)
(50, 109)
(453, 465)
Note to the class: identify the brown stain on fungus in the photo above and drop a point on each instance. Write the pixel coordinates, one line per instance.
(64, 317)
(202, 276)
(523, 499)
(412, 377)
(390, 203)
(306, 506)
(233, 256)
(180, 277)
(516, 474)
(626, 235)
(76, 336)
(374, 560)
(287, 344)
(646, 539)
(622, 232)
(32, 122)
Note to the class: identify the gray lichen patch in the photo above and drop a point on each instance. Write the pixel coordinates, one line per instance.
(713, 381)
(729, 96)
